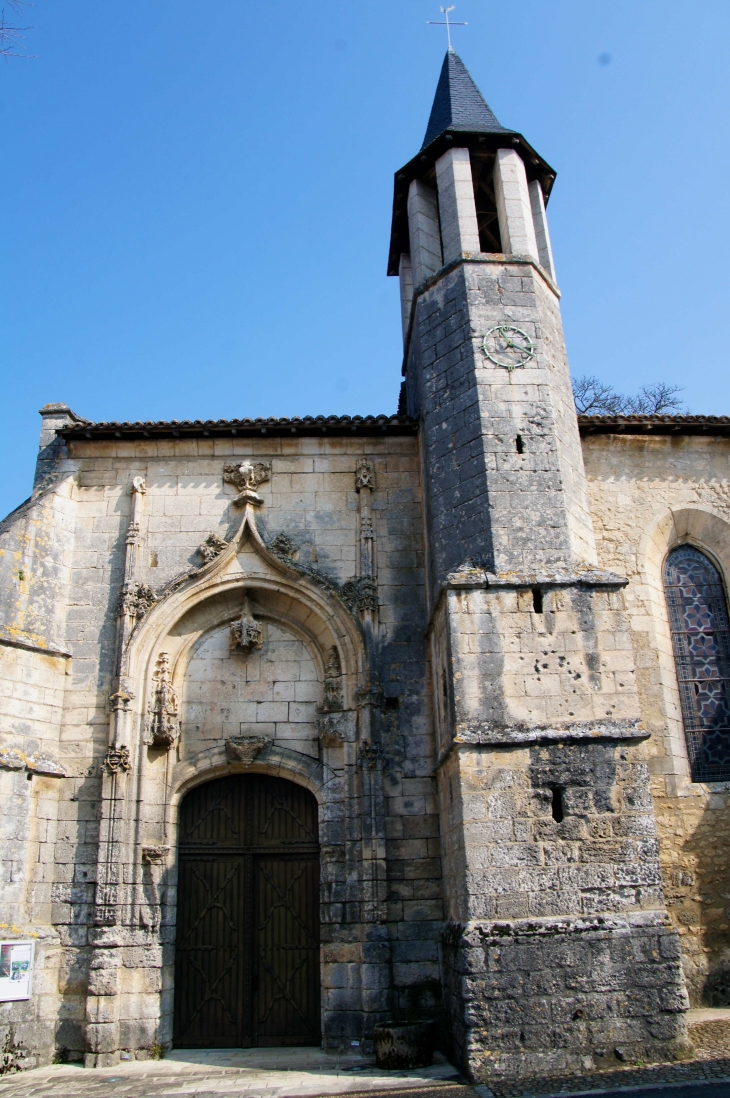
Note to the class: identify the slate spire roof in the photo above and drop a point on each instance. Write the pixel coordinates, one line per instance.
(458, 103)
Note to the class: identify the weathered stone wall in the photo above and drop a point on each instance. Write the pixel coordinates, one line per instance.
(648, 495)
(36, 545)
(273, 692)
(382, 906)
(560, 995)
(504, 506)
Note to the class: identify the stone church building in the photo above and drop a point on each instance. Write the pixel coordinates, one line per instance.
(309, 724)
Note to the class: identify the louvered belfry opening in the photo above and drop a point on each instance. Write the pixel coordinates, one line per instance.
(247, 945)
(482, 171)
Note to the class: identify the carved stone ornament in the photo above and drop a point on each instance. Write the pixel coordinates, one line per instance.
(364, 475)
(369, 755)
(329, 734)
(117, 758)
(155, 855)
(282, 547)
(164, 719)
(212, 547)
(247, 477)
(244, 749)
(119, 702)
(333, 681)
(137, 600)
(360, 593)
(133, 534)
(247, 634)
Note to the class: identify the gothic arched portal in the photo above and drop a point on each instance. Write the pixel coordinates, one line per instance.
(700, 628)
(247, 946)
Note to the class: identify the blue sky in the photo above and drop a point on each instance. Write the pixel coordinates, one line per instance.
(197, 198)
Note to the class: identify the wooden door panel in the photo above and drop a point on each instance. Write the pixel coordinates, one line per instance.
(247, 951)
(210, 966)
(287, 951)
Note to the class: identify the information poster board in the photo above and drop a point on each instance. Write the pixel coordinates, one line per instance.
(16, 970)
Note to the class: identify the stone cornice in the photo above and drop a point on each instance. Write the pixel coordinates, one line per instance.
(29, 644)
(522, 734)
(469, 578)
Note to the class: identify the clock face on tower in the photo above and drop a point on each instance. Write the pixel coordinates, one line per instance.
(508, 347)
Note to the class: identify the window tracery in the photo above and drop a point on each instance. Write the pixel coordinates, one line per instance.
(698, 619)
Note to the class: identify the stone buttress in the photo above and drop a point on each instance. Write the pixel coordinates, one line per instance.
(558, 952)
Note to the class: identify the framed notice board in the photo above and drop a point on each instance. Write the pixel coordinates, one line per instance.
(16, 970)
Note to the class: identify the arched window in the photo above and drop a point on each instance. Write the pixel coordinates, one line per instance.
(700, 628)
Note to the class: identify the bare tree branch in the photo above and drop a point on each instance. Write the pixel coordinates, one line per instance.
(596, 398)
(11, 36)
(659, 399)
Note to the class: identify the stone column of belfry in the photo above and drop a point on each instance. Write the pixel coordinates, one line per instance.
(558, 952)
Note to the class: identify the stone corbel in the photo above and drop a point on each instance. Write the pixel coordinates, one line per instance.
(370, 755)
(329, 731)
(247, 634)
(244, 749)
(155, 855)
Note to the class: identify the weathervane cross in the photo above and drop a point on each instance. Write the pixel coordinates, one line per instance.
(447, 24)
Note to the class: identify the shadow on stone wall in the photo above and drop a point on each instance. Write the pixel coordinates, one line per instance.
(696, 872)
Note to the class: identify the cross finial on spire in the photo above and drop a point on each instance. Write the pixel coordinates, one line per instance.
(447, 24)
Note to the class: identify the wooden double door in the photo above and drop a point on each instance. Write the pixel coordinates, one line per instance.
(247, 943)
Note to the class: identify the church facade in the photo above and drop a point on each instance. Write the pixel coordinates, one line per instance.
(312, 724)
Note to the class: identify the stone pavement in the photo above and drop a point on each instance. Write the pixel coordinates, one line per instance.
(238, 1073)
(310, 1072)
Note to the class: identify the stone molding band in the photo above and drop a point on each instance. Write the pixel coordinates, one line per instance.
(589, 577)
(31, 646)
(497, 930)
(521, 734)
(38, 763)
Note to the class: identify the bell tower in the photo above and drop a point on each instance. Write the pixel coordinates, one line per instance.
(558, 952)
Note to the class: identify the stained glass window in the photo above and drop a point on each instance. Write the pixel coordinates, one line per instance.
(700, 627)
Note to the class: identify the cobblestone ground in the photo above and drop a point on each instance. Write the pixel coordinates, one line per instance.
(306, 1073)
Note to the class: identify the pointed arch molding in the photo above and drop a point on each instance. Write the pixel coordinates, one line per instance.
(214, 594)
